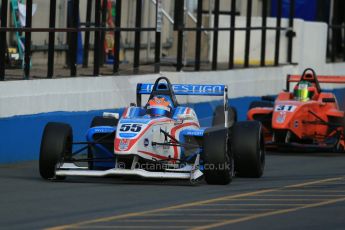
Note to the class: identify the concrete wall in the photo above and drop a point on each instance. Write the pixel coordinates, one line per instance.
(91, 93)
(26, 106)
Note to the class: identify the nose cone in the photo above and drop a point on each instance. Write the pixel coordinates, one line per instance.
(282, 119)
(283, 114)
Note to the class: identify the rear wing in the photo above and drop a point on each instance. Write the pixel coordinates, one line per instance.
(189, 89)
(320, 78)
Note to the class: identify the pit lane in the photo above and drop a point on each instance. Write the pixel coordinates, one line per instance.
(297, 191)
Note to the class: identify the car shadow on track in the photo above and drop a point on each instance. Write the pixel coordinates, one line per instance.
(310, 153)
(128, 181)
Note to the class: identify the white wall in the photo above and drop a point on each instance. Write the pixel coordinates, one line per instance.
(94, 93)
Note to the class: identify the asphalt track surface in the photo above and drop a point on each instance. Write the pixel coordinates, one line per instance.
(297, 191)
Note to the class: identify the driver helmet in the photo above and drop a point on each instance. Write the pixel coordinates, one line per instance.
(302, 91)
(159, 106)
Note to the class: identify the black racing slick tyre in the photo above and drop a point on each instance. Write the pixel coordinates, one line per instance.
(247, 144)
(56, 146)
(218, 160)
(99, 121)
(260, 104)
(219, 119)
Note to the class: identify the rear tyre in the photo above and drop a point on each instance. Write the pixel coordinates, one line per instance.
(99, 121)
(218, 160)
(248, 148)
(260, 104)
(56, 146)
(219, 119)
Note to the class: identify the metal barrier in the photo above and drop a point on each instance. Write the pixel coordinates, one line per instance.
(99, 28)
(336, 35)
(336, 43)
(215, 29)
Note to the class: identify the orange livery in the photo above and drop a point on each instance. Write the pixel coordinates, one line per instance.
(307, 117)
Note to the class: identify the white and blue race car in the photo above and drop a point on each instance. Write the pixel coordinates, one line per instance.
(161, 140)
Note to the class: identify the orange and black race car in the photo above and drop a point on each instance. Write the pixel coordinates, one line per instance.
(307, 117)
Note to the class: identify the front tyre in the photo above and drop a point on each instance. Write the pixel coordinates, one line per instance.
(56, 146)
(218, 160)
(248, 148)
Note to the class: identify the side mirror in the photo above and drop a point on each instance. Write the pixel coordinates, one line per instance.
(328, 100)
(268, 98)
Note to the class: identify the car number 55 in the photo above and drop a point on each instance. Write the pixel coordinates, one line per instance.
(131, 128)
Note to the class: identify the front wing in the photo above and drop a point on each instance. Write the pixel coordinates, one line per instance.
(188, 172)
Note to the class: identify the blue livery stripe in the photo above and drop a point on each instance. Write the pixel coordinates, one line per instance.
(194, 132)
(127, 135)
(134, 120)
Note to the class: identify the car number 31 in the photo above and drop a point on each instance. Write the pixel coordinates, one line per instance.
(285, 108)
(131, 128)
